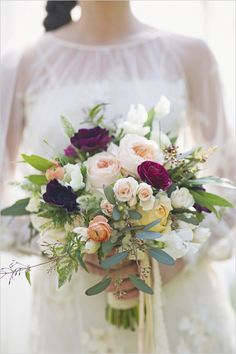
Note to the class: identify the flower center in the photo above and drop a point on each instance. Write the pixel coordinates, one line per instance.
(143, 151)
(104, 163)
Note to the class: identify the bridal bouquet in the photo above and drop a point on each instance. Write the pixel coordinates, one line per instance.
(123, 194)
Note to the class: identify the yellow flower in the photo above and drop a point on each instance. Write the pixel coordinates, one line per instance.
(161, 210)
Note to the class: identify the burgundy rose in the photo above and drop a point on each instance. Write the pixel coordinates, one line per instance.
(90, 140)
(70, 151)
(154, 174)
(61, 196)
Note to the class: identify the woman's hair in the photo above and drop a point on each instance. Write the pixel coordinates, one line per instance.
(58, 14)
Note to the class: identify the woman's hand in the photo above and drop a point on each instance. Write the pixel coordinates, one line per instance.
(120, 272)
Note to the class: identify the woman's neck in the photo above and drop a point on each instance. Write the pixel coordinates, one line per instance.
(103, 22)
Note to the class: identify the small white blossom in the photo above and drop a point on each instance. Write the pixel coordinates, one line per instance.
(135, 121)
(73, 176)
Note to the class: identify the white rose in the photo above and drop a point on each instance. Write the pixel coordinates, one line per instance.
(201, 234)
(162, 108)
(125, 190)
(33, 205)
(161, 138)
(73, 176)
(136, 118)
(103, 169)
(145, 195)
(135, 149)
(181, 198)
(164, 200)
(91, 247)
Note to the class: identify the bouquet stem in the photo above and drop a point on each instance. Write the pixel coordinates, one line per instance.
(123, 318)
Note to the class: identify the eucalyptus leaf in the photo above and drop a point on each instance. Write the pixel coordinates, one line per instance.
(109, 193)
(17, 209)
(151, 225)
(39, 180)
(99, 287)
(161, 256)
(113, 260)
(140, 284)
(116, 214)
(147, 235)
(38, 162)
(107, 246)
(135, 215)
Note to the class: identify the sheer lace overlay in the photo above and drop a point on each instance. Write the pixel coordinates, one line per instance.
(55, 77)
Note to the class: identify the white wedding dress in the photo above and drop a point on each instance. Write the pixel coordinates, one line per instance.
(56, 77)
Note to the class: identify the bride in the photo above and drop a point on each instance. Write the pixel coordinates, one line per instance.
(109, 56)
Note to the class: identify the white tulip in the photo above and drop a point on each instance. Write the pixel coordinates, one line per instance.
(73, 176)
(181, 198)
(135, 121)
(162, 108)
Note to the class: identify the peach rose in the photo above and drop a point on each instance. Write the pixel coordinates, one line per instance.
(125, 190)
(103, 169)
(145, 195)
(55, 172)
(99, 230)
(107, 208)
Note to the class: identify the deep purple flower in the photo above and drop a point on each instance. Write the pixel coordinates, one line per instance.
(70, 151)
(61, 196)
(154, 174)
(90, 140)
(201, 209)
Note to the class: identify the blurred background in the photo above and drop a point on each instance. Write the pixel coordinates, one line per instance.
(21, 23)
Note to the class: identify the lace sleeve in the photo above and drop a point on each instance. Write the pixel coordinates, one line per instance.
(209, 128)
(14, 232)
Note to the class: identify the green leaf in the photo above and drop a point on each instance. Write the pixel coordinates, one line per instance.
(212, 199)
(99, 287)
(191, 220)
(17, 209)
(221, 182)
(151, 225)
(147, 235)
(68, 127)
(39, 180)
(96, 109)
(109, 193)
(149, 121)
(161, 256)
(135, 215)
(81, 261)
(113, 260)
(140, 284)
(116, 214)
(39, 163)
(107, 246)
(204, 202)
(27, 275)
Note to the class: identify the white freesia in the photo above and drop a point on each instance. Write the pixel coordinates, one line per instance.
(33, 205)
(162, 108)
(125, 190)
(73, 176)
(181, 198)
(145, 195)
(135, 121)
(103, 169)
(201, 234)
(135, 149)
